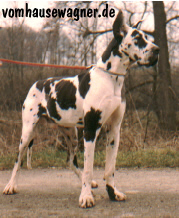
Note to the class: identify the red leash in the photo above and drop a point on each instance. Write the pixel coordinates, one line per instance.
(43, 65)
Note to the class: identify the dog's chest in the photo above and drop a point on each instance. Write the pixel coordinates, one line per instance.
(118, 82)
(119, 87)
(110, 86)
(104, 93)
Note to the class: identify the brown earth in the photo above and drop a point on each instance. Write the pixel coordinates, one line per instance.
(55, 193)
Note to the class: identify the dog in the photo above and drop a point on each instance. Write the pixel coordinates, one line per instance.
(89, 100)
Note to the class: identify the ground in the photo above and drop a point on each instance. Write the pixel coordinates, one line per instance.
(55, 193)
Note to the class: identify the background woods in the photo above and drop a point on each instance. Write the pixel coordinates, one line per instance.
(152, 93)
(165, 103)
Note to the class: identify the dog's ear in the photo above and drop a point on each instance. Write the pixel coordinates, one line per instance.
(119, 27)
(137, 24)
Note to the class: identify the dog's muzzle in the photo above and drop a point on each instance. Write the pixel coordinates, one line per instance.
(153, 58)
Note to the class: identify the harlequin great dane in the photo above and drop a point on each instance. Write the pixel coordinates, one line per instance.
(90, 100)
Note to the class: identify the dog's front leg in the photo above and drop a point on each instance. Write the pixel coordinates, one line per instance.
(113, 137)
(92, 126)
(29, 158)
(111, 154)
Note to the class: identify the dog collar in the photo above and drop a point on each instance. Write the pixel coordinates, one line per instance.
(106, 71)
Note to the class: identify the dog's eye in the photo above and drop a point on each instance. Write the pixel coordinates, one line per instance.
(140, 42)
(137, 39)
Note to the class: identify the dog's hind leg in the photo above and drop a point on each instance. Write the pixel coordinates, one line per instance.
(29, 156)
(71, 138)
(30, 116)
(26, 139)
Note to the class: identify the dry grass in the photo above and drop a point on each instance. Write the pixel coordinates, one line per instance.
(137, 149)
(136, 133)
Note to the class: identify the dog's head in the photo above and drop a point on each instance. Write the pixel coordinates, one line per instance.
(134, 43)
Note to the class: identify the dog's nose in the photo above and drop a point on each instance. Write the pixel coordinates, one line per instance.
(156, 50)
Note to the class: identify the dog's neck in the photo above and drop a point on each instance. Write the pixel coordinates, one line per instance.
(114, 59)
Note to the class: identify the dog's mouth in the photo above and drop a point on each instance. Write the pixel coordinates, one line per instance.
(151, 62)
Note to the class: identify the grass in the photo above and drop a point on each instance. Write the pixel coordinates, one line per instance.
(149, 158)
(143, 158)
(160, 149)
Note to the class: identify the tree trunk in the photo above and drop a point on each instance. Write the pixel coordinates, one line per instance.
(166, 106)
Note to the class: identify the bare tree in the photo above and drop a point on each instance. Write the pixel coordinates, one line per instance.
(165, 109)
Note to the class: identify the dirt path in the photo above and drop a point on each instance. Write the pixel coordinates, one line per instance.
(55, 193)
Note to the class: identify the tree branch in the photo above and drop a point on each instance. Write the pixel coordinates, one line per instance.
(145, 9)
(88, 32)
(172, 18)
(139, 85)
(149, 32)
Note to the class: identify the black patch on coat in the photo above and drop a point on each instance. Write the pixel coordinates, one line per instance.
(129, 45)
(131, 59)
(65, 91)
(140, 41)
(112, 143)
(47, 86)
(125, 53)
(40, 85)
(42, 110)
(50, 82)
(113, 45)
(91, 121)
(84, 84)
(31, 143)
(111, 193)
(135, 33)
(152, 62)
(109, 65)
(117, 52)
(17, 158)
(51, 106)
(75, 163)
(136, 57)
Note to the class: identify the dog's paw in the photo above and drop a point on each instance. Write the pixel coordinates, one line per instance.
(114, 194)
(10, 189)
(94, 184)
(86, 201)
